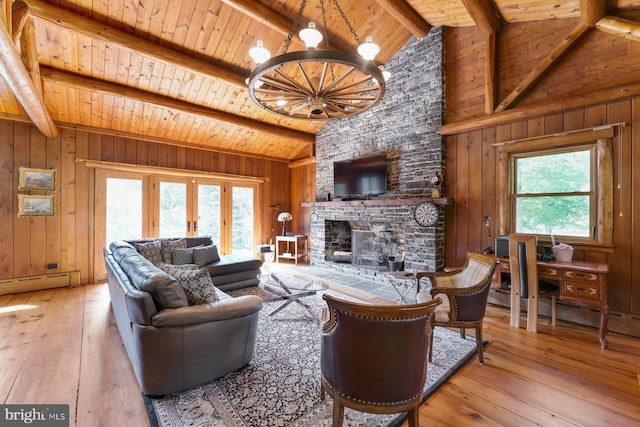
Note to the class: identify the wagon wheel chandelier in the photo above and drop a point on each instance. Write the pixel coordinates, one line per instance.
(316, 84)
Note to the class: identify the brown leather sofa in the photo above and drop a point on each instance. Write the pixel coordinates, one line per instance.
(174, 349)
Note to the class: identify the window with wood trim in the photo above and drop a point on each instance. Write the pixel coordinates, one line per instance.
(560, 185)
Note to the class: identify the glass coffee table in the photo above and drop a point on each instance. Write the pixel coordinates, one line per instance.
(290, 290)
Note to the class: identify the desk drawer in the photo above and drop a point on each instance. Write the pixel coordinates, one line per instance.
(581, 290)
(545, 272)
(582, 276)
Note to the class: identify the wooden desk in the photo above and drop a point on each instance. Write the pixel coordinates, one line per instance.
(581, 282)
(296, 254)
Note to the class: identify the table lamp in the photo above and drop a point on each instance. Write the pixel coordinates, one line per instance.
(284, 217)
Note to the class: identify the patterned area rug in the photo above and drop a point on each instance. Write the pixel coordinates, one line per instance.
(280, 387)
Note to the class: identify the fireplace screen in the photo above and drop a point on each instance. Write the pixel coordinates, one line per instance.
(370, 248)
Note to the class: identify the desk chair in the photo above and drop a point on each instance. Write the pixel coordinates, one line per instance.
(524, 281)
(374, 358)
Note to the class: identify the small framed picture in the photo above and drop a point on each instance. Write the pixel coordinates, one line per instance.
(29, 205)
(36, 179)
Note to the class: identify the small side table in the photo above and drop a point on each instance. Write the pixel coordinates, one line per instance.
(403, 282)
(296, 254)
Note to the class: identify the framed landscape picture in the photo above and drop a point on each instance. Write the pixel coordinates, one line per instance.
(29, 205)
(36, 179)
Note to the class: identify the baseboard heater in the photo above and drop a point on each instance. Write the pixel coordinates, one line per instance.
(36, 283)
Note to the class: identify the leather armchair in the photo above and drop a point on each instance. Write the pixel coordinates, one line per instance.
(464, 292)
(374, 358)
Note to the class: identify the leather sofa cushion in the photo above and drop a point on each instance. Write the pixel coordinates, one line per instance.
(163, 288)
(225, 308)
(229, 264)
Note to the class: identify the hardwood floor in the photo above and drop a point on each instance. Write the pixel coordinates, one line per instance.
(62, 346)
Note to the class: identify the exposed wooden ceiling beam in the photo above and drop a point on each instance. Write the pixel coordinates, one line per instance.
(261, 13)
(24, 89)
(407, 16)
(484, 15)
(591, 11)
(111, 89)
(268, 17)
(619, 27)
(545, 66)
(132, 44)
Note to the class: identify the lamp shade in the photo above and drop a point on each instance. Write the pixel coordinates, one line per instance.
(285, 217)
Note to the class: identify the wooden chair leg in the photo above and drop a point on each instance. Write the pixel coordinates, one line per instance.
(338, 412)
(554, 310)
(413, 416)
(431, 347)
(463, 333)
(479, 344)
(514, 318)
(532, 313)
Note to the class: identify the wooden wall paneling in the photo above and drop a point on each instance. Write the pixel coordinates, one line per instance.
(38, 224)
(152, 154)
(462, 197)
(106, 144)
(67, 204)
(95, 146)
(450, 190)
(131, 151)
(488, 187)
(22, 226)
(84, 208)
(535, 127)
(141, 152)
(169, 155)
(635, 187)
(574, 119)
(119, 149)
(180, 157)
(553, 123)
(620, 264)
(8, 198)
(55, 153)
(475, 197)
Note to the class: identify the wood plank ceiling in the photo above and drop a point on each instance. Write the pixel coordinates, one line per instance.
(174, 71)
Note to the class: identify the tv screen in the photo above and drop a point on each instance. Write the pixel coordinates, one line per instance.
(364, 176)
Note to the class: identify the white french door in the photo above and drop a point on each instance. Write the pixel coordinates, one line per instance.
(131, 206)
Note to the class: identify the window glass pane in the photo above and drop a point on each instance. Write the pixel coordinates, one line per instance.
(124, 209)
(209, 212)
(242, 233)
(560, 215)
(554, 173)
(173, 209)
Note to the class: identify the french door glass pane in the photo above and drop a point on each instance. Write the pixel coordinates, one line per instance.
(173, 209)
(242, 233)
(209, 212)
(124, 209)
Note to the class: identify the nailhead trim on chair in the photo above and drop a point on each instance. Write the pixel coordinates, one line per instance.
(367, 402)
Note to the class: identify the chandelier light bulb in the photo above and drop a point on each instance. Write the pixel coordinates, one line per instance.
(368, 50)
(259, 53)
(386, 74)
(310, 36)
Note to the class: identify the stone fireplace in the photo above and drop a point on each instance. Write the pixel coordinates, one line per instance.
(406, 126)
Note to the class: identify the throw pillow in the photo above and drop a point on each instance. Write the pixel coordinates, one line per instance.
(166, 245)
(205, 255)
(182, 256)
(197, 284)
(151, 251)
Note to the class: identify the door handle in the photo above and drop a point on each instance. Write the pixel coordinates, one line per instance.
(195, 226)
(188, 226)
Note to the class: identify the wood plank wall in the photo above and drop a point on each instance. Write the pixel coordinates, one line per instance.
(27, 245)
(600, 62)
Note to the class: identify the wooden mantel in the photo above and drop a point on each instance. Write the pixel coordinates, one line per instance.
(379, 202)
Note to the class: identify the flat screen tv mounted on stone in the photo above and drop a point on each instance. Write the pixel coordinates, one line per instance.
(360, 177)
